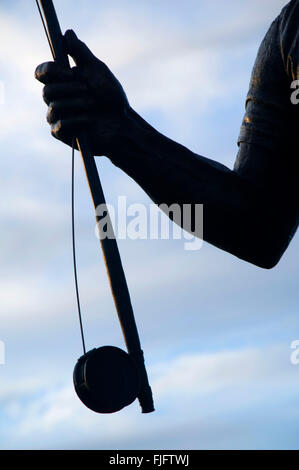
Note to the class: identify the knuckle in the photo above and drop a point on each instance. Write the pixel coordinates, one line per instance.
(51, 113)
(53, 132)
(56, 129)
(37, 72)
(43, 71)
(46, 93)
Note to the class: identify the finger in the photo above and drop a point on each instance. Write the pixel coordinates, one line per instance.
(64, 109)
(78, 50)
(50, 72)
(58, 91)
(65, 129)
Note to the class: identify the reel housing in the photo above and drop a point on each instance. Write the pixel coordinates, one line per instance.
(106, 379)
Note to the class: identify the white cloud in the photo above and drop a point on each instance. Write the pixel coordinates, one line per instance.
(183, 389)
(196, 375)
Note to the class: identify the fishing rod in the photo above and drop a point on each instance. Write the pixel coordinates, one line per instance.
(106, 379)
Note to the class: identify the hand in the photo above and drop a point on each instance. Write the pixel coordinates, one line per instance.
(86, 97)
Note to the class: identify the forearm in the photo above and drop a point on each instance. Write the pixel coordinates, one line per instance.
(239, 217)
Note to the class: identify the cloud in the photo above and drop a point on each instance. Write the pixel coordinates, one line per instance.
(201, 374)
(185, 387)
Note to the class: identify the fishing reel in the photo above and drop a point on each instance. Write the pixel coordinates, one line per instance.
(106, 379)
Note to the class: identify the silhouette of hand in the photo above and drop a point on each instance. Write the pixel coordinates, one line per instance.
(86, 97)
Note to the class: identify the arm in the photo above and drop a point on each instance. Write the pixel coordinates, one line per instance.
(240, 215)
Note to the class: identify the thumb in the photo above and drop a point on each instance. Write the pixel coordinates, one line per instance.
(78, 49)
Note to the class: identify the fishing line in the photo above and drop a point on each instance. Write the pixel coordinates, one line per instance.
(74, 244)
(46, 30)
(72, 197)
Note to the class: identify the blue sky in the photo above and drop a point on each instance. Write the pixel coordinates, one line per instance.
(216, 331)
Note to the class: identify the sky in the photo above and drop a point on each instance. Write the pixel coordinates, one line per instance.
(216, 331)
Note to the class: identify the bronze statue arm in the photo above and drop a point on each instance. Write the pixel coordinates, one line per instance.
(243, 213)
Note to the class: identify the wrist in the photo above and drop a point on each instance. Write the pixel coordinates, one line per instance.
(130, 139)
